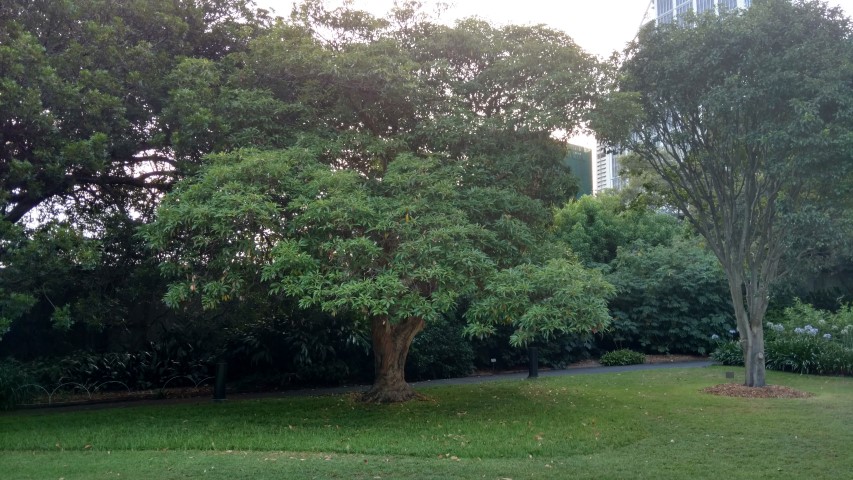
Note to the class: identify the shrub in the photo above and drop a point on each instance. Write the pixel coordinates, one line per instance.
(810, 340)
(728, 353)
(793, 353)
(13, 376)
(671, 298)
(307, 348)
(622, 357)
(558, 352)
(807, 351)
(440, 351)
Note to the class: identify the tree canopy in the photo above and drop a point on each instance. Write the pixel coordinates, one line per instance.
(422, 173)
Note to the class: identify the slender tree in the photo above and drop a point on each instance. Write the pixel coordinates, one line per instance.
(746, 117)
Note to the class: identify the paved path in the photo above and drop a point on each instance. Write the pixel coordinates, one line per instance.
(309, 392)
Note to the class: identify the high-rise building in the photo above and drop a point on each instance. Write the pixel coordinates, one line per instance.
(668, 11)
(579, 161)
(607, 170)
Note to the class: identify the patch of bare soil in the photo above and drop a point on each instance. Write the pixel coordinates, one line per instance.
(770, 391)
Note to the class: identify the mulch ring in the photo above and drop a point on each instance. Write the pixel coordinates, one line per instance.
(769, 391)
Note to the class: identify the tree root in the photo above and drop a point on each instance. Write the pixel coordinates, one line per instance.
(390, 395)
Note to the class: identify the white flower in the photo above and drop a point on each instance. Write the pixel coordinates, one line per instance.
(715, 337)
(827, 336)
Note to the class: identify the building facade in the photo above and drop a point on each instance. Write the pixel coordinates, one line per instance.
(579, 161)
(668, 11)
(607, 171)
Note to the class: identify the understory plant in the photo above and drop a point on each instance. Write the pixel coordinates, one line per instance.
(622, 357)
(805, 340)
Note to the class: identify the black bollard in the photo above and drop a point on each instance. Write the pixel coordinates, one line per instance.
(219, 388)
(533, 355)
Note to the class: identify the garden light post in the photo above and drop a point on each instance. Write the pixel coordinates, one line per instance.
(219, 388)
(533, 356)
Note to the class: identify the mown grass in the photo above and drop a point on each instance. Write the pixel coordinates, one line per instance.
(647, 424)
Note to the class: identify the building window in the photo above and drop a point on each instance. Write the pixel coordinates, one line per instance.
(726, 5)
(681, 8)
(703, 6)
(664, 11)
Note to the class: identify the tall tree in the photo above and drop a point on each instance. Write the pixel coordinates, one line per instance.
(87, 87)
(747, 118)
(426, 168)
(104, 105)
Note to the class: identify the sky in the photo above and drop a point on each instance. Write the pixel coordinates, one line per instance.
(599, 26)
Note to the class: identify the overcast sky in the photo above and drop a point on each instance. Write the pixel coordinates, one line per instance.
(598, 26)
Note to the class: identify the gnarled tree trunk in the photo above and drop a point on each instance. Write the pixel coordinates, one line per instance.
(391, 344)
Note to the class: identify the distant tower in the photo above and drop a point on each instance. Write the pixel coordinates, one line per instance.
(579, 161)
(667, 11)
(607, 170)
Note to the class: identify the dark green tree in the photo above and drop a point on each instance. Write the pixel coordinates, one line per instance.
(392, 253)
(103, 106)
(747, 118)
(424, 174)
(90, 90)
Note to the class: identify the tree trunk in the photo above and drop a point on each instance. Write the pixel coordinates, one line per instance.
(750, 327)
(753, 356)
(391, 344)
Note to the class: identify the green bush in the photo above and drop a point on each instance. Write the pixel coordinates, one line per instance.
(622, 357)
(671, 299)
(805, 340)
(13, 376)
(305, 348)
(807, 353)
(728, 353)
(162, 364)
(793, 353)
(810, 340)
(440, 351)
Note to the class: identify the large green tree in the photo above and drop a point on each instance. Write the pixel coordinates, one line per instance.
(425, 173)
(747, 118)
(104, 105)
(392, 253)
(91, 92)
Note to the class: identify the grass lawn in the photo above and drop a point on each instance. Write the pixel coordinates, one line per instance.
(645, 424)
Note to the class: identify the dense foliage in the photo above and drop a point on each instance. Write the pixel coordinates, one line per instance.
(393, 205)
(671, 293)
(671, 298)
(595, 227)
(109, 105)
